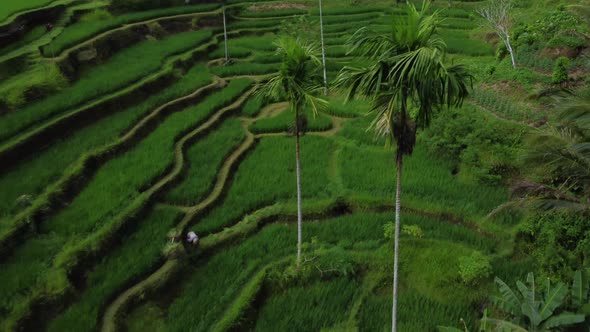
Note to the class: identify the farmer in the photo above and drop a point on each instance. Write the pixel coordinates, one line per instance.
(192, 238)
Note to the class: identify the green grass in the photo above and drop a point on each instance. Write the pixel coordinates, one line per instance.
(458, 41)
(210, 287)
(198, 306)
(505, 107)
(273, 13)
(416, 313)
(32, 176)
(258, 183)
(427, 182)
(298, 308)
(83, 30)
(235, 52)
(12, 7)
(136, 255)
(365, 18)
(114, 186)
(255, 24)
(123, 178)
(253, 106)
(283, 122)
(26, 39)
(206, 292)
(204, 159)
(254, 43)
(130, 64)
(245, 68)
(352, 109)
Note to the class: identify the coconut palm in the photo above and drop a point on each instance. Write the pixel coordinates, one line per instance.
(407, 82)
(298, 81)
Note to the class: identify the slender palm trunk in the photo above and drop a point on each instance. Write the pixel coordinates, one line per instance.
(298, 171)
(398, 193)
(323, 50)
(225, 36)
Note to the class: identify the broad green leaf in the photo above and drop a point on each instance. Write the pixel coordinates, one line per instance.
(510, 299)
(579, 290)
(527, 294)
(529, 311)
(553, 299)
(566, 318)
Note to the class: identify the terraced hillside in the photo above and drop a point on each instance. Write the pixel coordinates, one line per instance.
(122, 129)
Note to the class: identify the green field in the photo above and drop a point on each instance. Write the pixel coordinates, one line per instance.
(125, 129)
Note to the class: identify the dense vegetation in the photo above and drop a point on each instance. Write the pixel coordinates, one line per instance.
(124, 125)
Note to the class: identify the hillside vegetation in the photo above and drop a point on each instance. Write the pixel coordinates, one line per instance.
(125, 125)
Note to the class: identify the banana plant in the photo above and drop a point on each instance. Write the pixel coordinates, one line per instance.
(531, 311)
(580, 288)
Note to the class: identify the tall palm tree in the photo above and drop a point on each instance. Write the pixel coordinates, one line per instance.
(225, 35)
(298, 81)
(407, 82)
(323, 50)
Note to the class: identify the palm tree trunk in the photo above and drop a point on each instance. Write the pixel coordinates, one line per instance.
(398, 193)
(298, 171)
(225, 36)
(323, 50)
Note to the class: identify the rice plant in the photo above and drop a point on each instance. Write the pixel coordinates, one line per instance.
(32, 176)
(130, 64)
(83, 30)
(204, 159)
(116, 270)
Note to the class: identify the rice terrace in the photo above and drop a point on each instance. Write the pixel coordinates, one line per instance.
(295, 165)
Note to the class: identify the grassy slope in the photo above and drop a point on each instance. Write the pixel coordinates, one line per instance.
(130, 64)
(267, 176)
(30, 177)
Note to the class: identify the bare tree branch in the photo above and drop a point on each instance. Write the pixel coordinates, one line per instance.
(497, 17)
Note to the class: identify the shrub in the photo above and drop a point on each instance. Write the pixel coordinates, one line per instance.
(474, 268)
(43, 81)
(558, 240)
(501, 51)
(560, 71)
(413, 231)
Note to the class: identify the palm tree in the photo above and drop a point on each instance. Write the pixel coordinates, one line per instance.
(323, 50)
(298, 81)
(561, 155)
(407, 82)
(225, 35)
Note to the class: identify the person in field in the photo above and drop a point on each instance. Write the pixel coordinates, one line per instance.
(192, 238)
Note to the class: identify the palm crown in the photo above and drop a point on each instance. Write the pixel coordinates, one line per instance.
(408, 73)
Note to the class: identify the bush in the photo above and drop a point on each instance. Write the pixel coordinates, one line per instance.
(558, 240)
(474, 268)
(36, 84)
(501, 51)
(413, 231)
(560, 71)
